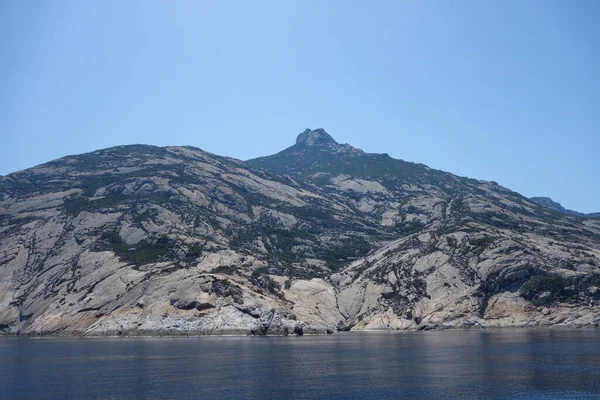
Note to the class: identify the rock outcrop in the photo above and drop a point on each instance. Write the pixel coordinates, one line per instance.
(548, 202)
(142, 240)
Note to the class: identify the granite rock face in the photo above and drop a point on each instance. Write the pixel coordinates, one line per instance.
(549, 203)
(142, 240)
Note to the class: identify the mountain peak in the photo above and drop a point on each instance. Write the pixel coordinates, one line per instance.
(313, 137)
(314, 148)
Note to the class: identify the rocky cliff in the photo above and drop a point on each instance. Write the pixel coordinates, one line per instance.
(548, 202)
(142, 240)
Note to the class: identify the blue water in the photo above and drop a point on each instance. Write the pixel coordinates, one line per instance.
(517, 364)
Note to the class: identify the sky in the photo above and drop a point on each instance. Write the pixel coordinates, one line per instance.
(497, 90)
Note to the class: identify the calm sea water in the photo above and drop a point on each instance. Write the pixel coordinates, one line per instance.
(518, 364)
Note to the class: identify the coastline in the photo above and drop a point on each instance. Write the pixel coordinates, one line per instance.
(159, 334)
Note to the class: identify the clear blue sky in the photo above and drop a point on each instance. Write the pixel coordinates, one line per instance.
(506, 90)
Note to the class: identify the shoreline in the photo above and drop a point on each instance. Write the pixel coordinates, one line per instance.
(241, 335)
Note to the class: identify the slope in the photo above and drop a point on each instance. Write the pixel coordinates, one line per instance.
(177, 241)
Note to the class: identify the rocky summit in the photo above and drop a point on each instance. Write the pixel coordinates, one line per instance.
(144, 240)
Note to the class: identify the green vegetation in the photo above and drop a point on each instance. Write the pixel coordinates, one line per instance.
(352, 249)
(304, 161)
(485, 241)
(90, 187)
(144, 252)
(224, 269)
(550, 289)
(452, 242)
(99, 159)
(482, 243)
(459, 207)
(368, 165)
(224, 288)
(408, 228)
(260, 278)
(193, 252)
(74, 206)
(281, 242)
(312, 214)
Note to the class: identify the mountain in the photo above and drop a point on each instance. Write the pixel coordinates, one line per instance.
(548, 202)
(144, 240)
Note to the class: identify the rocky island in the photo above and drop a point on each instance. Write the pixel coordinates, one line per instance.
(145, 240)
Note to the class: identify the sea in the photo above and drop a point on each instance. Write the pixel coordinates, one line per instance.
(470, 364)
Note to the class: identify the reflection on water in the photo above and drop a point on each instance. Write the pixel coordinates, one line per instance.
(520, 364)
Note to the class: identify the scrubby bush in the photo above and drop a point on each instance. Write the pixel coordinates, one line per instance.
(550, 289)
(224, 269)
(144, 252)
